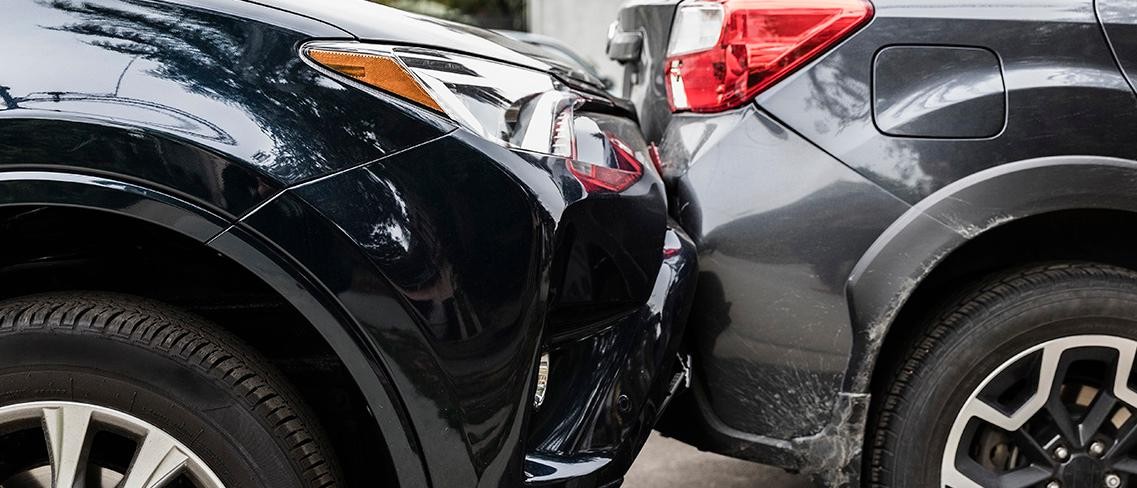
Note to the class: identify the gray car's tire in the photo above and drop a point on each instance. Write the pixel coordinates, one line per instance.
(164, 368)
(1004, 325)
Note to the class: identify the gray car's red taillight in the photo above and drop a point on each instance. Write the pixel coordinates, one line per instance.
(724, 52)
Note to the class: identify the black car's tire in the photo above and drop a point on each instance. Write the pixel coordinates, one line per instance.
(170, 369)
(976, 339)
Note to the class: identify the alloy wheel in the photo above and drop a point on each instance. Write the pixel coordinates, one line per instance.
(1058, 415)
(65, 444)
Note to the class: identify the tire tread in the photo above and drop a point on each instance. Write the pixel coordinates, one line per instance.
(997, 290)
(192, 341)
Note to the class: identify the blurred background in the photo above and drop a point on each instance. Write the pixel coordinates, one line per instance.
(579, 24)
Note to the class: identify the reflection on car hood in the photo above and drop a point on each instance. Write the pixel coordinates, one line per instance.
(374, 22)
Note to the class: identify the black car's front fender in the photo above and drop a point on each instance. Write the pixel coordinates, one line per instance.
(151, 205)
(467, 261)
(447, 278)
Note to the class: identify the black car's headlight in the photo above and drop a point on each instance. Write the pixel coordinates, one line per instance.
(510, 105)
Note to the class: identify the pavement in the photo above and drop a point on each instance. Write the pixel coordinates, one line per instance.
(667, 463)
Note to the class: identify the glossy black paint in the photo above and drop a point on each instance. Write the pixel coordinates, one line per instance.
(50, 188)
(169, 94)
(633, 377)
(465, 347)
(816, 222)
(437, 265)
(468, 345)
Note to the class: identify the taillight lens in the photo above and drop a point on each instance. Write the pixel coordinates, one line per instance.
(724, 52)
(599, 178)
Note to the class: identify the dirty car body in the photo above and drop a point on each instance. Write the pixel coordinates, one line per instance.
(929, 144)
(439, 264)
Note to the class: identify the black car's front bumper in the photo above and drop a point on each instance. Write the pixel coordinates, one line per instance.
(457, 264)
(607, 390)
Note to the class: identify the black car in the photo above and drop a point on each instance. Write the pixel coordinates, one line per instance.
(915, 222)
(283, 244)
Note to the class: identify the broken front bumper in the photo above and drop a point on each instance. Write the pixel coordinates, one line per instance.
(607, 389)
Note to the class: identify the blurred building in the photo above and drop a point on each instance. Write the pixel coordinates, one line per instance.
(582, 24)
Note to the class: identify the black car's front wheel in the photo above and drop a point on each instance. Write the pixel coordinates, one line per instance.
(1027, 382)
(110, 391)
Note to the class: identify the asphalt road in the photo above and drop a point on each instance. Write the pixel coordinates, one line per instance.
(666, 463)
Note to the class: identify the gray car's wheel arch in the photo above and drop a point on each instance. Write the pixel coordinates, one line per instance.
(915, 252)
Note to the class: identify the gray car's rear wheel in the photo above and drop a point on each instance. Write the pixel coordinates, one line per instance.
(107, 391)
(1027, 382)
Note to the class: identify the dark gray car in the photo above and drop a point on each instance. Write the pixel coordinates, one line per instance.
(916, 231)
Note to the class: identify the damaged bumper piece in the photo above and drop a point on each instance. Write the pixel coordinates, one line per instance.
(607, 388)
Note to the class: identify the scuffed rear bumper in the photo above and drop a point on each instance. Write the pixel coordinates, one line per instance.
(607, 390)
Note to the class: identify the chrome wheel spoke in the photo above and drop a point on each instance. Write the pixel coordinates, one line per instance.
(158, 460)
(956, 479)
(66, 429)
(1127, 353)
(1047, 372)
(98, 447)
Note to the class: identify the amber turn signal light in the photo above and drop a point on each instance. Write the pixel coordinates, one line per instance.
(376, 71)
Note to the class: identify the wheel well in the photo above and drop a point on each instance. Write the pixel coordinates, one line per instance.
(1102, 236)
(48, 248)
